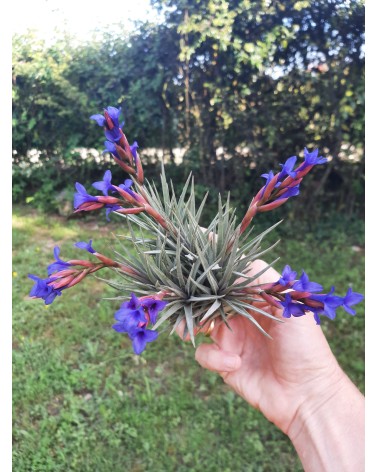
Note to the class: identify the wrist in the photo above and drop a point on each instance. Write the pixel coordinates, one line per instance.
(328, 428)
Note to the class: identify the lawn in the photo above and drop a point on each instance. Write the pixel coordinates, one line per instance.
(82, 401)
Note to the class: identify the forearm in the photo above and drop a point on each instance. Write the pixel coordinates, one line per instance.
(328, 432)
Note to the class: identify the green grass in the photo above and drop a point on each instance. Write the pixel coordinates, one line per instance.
(82, 401)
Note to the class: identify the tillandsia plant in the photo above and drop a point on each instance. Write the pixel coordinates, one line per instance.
(179, 271)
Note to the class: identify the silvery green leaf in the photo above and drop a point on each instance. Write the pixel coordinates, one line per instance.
(214, 307)
(230, 264)
(259, 254)
(205, 298)
(178, 265)
(201, 207)
(168, 312)
(249, 306)
(184, 190)
(224, 317)
(207, 271)
(241, 311)
(244, 276)
(201, 287)
(189, 321)
(159, 251)
(254, 277)
(257, 240)
(111, 283)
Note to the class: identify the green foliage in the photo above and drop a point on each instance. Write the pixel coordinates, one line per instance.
(271, 78)
(82, 401)
(47, 108)
(239, 86)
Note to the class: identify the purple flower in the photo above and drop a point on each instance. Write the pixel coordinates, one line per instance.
(126, 187)
(140, 338)
(82, 196)
(304, 284)
(99, 119)
(351, 298)
(288, 275)
(110, 209)
(59, 264)
(132, 320)
(287, 168)
(312, 159)
(113, 134)
(153, 306)
(330, 302)
(113, 114)
(110, 147)
(316, 312)
(41, 289)
(290, 192)
(121, 328)
(106, 184)
(130, 315)
(133, 149)
(292, 308)
(269, 177)
(86, 246)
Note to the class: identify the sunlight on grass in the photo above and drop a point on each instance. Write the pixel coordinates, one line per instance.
(28, 224)
(64, 232)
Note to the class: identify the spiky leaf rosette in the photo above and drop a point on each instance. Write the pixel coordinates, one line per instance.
(201, 271)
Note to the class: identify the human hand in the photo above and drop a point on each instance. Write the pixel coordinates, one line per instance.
(275, 376)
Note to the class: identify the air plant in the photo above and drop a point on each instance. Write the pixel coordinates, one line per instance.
(180, 272)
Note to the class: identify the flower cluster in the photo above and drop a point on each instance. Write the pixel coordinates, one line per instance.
(281, 186)
(135, 315)
(128, 201)
(182, 268)
(66, 274)
(116, 143)
(297, 297)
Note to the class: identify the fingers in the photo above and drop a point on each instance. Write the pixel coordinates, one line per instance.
(211, 357)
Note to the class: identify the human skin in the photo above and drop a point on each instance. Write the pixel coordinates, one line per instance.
(295, 381)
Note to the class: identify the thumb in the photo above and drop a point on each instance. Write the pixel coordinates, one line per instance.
(212, 357)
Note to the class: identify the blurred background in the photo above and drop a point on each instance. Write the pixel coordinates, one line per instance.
(226, 90)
